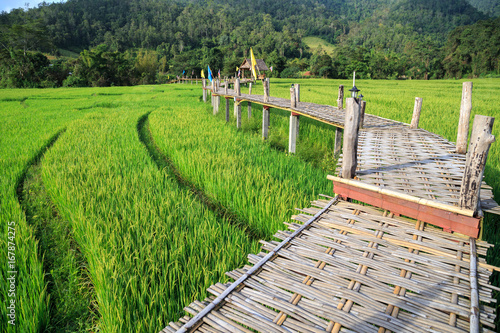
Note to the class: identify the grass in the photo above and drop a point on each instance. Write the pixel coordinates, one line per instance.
(150, 246)
(156, 198)
(315, 42)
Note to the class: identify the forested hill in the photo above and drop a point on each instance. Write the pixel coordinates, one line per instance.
(186, 23)
(378, 38)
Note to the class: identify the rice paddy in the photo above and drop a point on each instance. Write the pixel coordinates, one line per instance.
(134, 200)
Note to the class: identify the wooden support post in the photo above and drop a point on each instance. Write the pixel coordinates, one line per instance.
(463, 123)
(297, 93)
(237, 92)
(249, 104)
(293, 99)
(293, 133)
(362, 115)
(237, 109)
(480, 142)
(340, 99)
(227, 109)
(416, 113)
(212, 93)
(351, 128)
(204, 83)
(265, 122)
(338, 141)
(196, 79)
(191, 80)
(226, 84)
(266, 90)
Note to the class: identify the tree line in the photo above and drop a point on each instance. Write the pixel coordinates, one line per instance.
(123, 42)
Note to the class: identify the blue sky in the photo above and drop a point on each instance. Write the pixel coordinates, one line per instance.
(7, 5)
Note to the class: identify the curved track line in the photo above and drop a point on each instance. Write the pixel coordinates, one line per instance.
(163, 162)
(69, 288)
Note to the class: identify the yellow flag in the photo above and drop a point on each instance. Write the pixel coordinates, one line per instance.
(202, 74)
(254, 63)
(237, 68)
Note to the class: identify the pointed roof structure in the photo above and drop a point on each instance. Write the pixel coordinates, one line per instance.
(261, 65)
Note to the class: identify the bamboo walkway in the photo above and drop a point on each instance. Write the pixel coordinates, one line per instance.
(391, 155)
(351, 268)
(346, 267)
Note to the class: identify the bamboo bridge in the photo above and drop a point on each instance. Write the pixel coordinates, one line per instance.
(385, 266)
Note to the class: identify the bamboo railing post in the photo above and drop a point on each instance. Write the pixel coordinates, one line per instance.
(338, 141)
(463, 123)
(237, 105)
(227, 109)
(265, 122)
(297, 92)
(362, 114)
(340, 99)
(266, 90)
(416, 113)
(217, 97)
(191, 80)
(293, 98)
(212, 92)
(293, 132)
(351, 129)
(480, 142)
(204, 83)
(225, 86)
(249, 104)
(237, 92)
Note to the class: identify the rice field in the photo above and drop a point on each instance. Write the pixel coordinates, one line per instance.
(128, 202)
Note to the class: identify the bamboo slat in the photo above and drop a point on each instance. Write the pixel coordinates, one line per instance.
(353, 269)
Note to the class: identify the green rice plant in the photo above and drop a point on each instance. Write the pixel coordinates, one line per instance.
(151, 248)
(28, 126)
(258, 183)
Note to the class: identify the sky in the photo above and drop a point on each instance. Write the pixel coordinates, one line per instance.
(7, 5)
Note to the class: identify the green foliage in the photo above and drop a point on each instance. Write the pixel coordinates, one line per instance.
(101, 68)
(290, 72)
(19, 70)
(473, 50)
(380, 39)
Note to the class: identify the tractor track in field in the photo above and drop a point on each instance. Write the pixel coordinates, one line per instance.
(71, 301)
(163, 162)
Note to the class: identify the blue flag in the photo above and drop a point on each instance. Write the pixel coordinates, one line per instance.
(209, 74)
(183, 72)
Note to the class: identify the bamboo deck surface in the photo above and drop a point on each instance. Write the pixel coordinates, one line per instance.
(415, 162)
(352, 268)
(324, 113)
(391, 155)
